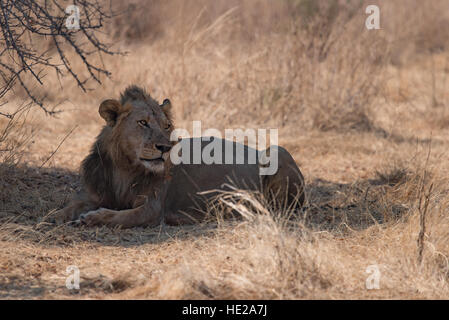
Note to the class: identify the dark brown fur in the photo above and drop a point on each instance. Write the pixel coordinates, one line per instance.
(109, 177)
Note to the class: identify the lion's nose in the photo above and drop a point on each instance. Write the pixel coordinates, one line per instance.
(163, 147)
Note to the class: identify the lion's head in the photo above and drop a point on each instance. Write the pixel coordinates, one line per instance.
(138, 130)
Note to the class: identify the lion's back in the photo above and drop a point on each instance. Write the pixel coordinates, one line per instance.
(190, 179)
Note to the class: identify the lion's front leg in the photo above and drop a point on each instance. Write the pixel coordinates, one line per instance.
(73, 211)
(148, 214)
(101, 216)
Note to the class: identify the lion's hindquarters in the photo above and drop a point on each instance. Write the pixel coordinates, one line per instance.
(286, 186)
(192, 185)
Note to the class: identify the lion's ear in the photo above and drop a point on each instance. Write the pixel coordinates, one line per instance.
(166, 105)
(109, 111)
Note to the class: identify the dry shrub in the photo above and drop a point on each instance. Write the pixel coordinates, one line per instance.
(311, 76)
(275, 254)
(302, 73)
(14, 136)
(284, 62)
(136, 21)
(416, 28)
(393, 175)
(263, 257)
(337, 83)
(311, 63)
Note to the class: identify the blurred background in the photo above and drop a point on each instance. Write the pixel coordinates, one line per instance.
(291, 64)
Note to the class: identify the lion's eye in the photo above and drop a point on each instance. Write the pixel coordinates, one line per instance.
(167, 126)
(143, 123)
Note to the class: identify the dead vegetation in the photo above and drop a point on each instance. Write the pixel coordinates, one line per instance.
(364, 113)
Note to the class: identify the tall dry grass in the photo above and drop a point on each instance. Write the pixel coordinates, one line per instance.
(307, 62)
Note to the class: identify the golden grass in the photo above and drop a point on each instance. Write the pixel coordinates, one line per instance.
(361, 121)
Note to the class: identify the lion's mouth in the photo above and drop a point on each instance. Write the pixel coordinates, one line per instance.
(153, 160)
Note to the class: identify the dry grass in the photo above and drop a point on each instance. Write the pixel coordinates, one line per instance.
(364, 113)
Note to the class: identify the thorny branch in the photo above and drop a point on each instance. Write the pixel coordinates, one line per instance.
(24, 22)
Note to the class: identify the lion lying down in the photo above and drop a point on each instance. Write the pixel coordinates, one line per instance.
(129, 180)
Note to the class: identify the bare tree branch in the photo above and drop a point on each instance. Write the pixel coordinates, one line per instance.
(25, 21)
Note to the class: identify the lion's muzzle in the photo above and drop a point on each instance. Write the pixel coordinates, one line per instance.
(154, 158)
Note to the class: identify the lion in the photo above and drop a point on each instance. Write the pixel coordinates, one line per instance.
(128, 179)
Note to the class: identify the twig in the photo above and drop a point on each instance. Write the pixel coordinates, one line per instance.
(422, 207)
(422, 223)
(22, 19)
(56, 150)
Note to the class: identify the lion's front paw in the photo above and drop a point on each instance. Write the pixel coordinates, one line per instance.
(96, 217)
(62, 216)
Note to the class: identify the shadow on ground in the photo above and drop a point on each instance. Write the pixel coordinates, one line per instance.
(355, 206)
(29, 196)
(398, 138)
